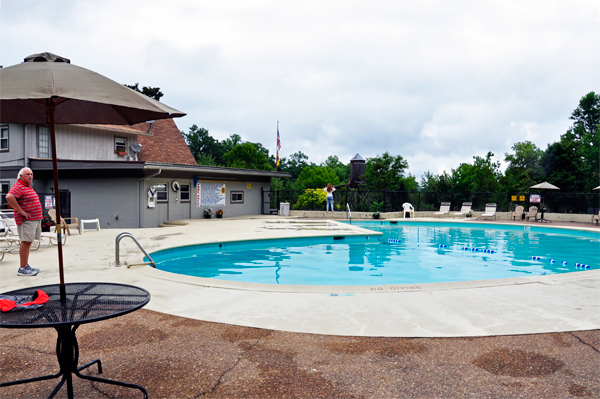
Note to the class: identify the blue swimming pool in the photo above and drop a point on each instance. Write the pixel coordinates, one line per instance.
(405, 253)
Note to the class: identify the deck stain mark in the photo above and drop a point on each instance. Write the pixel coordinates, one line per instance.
(518, 363)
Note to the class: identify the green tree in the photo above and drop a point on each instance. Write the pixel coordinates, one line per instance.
(441, 183)
(573, 163)
(524, 167)
(247, 156)
(314, 176)
(294, 164)
(152, 92)
(563, 164)
(202, 145)
(206, 160)
(386, 172)
(482, 176)
(231, 142)
(586, 116)
(341, 170)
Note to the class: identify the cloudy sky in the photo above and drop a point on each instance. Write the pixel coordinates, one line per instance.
(437, 82)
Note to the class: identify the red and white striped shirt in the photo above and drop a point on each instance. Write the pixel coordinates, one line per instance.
(28, 200)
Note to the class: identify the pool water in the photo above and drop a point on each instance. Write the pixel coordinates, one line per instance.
(406, 253)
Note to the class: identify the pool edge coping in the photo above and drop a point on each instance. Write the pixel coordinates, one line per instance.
(552, 279)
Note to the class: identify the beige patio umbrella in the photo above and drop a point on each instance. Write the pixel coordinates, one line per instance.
(48, 89)
(597, 188)
(545, 185)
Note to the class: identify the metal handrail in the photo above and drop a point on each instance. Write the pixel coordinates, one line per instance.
(128, 234)
(348, 212)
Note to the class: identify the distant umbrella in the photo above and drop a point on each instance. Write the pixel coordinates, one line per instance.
(597, 188)
(545, 185)
(48, 89)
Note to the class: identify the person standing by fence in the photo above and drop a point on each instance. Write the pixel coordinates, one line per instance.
(329, 190)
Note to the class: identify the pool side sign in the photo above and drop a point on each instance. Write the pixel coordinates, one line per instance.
(210, 194)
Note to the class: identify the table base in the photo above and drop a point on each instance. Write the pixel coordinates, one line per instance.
(67, 353)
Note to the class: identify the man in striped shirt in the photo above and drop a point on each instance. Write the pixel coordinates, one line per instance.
(28, 216)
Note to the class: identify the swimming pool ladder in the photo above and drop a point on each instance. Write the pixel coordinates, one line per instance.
(118, 240)
(348, 212)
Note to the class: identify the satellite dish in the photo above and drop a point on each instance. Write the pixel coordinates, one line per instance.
(135, 147)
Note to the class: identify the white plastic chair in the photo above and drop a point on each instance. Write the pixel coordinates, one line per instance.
(407, 207)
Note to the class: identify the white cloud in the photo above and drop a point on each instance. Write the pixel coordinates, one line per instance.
(434, 81)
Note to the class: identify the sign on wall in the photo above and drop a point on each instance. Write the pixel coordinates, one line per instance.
(535, 198)
(210, 194)
(49, 201)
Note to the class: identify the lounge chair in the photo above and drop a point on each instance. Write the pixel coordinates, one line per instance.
(490, 211)
(532, 213)
(12, 240)
(464, 210)
(444, 209)
(3, 251)
(66, 223)
(53, 239)
(518, 212)
(407, 207)
(596, 218)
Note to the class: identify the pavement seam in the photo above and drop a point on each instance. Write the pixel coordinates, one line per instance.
(239, 358)
(585, 343)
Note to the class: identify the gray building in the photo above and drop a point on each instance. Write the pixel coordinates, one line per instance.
(128, 176)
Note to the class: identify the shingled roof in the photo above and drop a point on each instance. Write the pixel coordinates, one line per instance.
(164, 144)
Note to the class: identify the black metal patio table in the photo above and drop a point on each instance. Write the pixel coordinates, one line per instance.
(86, 303)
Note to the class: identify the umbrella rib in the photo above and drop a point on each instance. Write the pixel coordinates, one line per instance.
(122, 114)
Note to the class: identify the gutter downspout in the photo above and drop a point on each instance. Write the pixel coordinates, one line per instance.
(138, 193)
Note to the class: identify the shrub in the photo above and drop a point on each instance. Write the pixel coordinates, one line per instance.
(311, 199)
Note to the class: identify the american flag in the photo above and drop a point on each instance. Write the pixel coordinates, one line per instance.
(278, 143)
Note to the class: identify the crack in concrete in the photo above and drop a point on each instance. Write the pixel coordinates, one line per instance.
(239, 358)
(585, 343)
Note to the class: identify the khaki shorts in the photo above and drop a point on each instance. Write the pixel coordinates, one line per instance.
(30, 230)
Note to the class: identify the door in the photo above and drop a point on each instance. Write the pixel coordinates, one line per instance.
(65, 203)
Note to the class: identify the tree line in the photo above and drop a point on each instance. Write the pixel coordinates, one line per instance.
(572, 163)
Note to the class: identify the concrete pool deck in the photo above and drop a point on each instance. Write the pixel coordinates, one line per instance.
(525, 305)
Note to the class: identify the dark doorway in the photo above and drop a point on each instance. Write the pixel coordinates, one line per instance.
(65, 203)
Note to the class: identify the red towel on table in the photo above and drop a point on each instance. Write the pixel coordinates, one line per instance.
(10, 302)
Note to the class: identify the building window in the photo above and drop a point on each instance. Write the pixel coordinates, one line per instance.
(4, 138)
(120, 145)
(237, 197)
(4, 187)
(162, 194)
(43, 142)
(184, 193)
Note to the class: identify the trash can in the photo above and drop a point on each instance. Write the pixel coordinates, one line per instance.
(284, 209)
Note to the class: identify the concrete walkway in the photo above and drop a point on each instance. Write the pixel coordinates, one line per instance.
(526, 305)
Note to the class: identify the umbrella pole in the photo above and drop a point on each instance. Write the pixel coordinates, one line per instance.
(50, 106)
